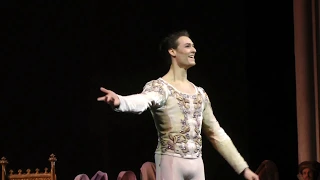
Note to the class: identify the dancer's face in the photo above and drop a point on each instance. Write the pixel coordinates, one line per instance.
(184, 54)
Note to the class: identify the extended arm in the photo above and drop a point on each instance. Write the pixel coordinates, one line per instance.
(153, 95)
(138, 103)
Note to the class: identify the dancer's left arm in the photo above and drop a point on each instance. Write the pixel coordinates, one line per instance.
(222, 142)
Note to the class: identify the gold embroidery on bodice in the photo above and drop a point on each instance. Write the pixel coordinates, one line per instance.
(180, 130)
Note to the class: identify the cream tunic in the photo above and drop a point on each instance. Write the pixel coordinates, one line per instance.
(179, 118)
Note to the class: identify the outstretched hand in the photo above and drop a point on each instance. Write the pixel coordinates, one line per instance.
(249, 175)
(111, 98)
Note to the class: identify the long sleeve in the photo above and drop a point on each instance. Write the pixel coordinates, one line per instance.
(220, 139)
(153, 95)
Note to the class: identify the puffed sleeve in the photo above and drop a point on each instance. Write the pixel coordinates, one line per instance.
(153, 95)
(219, 138)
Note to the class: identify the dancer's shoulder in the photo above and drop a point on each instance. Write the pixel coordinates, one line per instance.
(155, 83)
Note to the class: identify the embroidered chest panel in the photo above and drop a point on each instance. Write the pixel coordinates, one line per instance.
(187, 140)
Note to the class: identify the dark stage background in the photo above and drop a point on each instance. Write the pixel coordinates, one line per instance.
(58, 54)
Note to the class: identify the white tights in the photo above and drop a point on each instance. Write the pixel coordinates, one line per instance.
(176, 168)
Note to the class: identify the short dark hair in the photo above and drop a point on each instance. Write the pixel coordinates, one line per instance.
(312, 165)
(170, 42)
